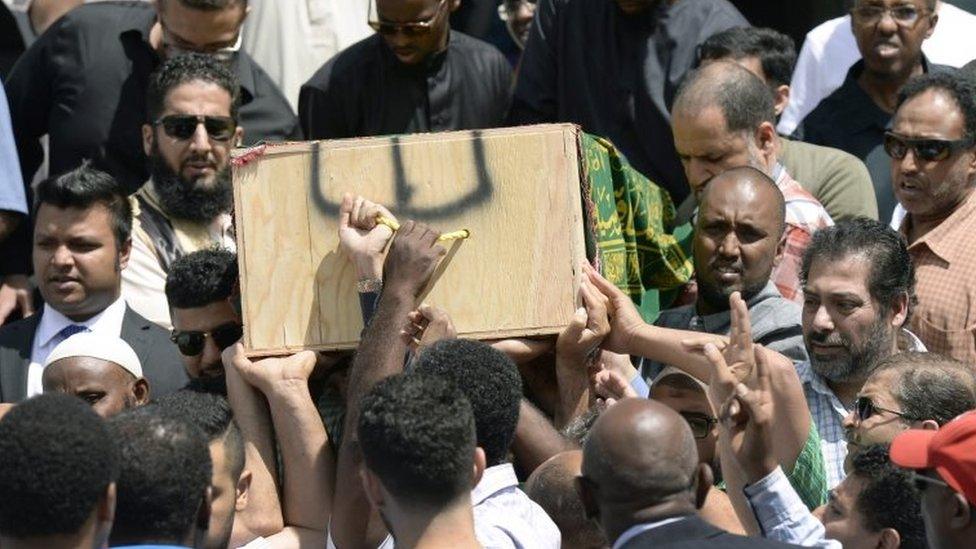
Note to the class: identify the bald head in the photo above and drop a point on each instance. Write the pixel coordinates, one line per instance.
(640, 450)
(553, 486)
(751, 188)
(741, 96)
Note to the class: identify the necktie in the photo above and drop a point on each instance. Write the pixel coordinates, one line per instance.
(70, 330)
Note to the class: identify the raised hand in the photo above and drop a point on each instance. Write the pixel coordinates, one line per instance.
(625, 320)
(426, 326)
(270, 374)
(361, 237)
(580, 341)
(745, 416)
(412, 258)
(610, 387)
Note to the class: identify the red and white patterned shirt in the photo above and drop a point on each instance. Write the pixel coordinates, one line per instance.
(804, 216)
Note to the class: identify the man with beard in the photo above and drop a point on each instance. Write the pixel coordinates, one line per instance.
(724, 117)
(858, 287)
(738, 240)
(185, 206)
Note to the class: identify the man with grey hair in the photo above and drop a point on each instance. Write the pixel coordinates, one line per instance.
(723, 117)
(642, 480)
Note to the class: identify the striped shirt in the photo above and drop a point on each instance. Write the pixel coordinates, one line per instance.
(804, 216)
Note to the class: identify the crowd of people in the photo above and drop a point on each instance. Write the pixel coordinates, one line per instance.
(813, 385)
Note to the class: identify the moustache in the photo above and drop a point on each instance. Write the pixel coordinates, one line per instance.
(832, 338)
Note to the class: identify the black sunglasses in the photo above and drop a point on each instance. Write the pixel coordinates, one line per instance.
(191, 342)
(864, 408)
(183, 126)
(419, 28)
(929, 150)
(701, 425)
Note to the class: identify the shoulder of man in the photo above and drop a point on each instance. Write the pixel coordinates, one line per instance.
(103, 17)
(159, 356)
(19, 334)
(839, 180)
(356, 58)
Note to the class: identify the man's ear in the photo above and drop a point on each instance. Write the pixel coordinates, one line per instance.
(587, 491)
(781, 99)
(900, 310)
(203, 513)
(455, 4)
(243, 490)
(147, 139)
(372, 487)
(934, 22)
(962, 512)
(124, 251)
(239, 132)
(703, 484)
(140, 390)
(780, 249)
(930, 425)
(766, 141)
(889, 539)
(480, 463)
(104, 516)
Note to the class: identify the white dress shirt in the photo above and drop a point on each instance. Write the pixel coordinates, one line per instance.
(782, 515)
(830, 50)
(108, 322)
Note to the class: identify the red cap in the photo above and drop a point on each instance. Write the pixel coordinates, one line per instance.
(950, 451)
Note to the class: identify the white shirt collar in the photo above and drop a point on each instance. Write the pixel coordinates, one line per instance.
(639, 529)
(495, 479)
(52, 322)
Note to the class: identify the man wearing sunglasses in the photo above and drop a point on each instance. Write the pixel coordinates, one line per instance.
(200, 288)
(944, 462)
(932, 145)
(414, 75)
(185, 206)
(854, 118)
(83, 85)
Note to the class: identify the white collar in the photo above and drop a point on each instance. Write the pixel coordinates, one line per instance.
(495, 479)
(109, 321)
(639, 529)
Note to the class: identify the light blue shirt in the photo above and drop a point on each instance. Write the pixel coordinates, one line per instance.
(782, 515)
(12, 194)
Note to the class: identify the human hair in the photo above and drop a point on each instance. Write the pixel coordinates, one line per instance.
(553, 486)
(961, 88)
(776, 51)
(83, 188)
(212, 414)
(191, 67)
(743, 99)
(489, 379)
(889, 498)
(892, 273)
(164, 475)
(931, 386)
(417, 434)
(57, 460)
(201, 278)
(578, 430)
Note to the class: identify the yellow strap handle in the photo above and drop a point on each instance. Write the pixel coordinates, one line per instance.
(394, 226)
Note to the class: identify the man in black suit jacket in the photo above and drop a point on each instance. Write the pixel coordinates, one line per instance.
(81, 244)
(641, 479)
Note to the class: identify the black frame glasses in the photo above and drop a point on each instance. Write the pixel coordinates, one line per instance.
(414, 29)
(192, 342)
(184, 126)
(701, 425)
(864, 408)
(928, 150)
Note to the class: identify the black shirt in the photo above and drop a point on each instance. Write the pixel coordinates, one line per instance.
(84, 83)
(615, 75)
(365, 90)
(851, 121)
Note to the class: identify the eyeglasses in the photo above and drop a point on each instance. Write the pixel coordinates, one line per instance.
(183, 126)
(864, 408)
(191, 342)
(922, 482)
(905, 15)
(701, 425)
(417, 28)
(225, 54)
(510, 8)
(929, 150)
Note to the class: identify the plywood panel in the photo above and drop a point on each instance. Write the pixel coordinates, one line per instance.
(517, 190)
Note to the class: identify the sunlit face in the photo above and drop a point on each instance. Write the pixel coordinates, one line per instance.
(845, 330)
(932, 188)
(842, 519)
(204, 319)
(77, 261)
(186, 29)
(690, 403)
(737, 237)
(882, 426)
(707, 148)
(891, 50)
(412, 49)
(224, 494)
(106, 386)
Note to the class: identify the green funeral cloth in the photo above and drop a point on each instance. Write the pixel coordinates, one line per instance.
(631, 220)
